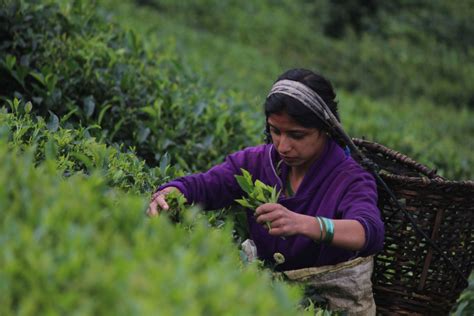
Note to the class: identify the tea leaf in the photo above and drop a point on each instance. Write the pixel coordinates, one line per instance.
(243, 183)
(28, 107)
(89, 105)
(53, 123)
(10, 62)
(244, 203)
(258, 192)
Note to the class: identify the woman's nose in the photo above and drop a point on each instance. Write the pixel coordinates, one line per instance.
(284, 144)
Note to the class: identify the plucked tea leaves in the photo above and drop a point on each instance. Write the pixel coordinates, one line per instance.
(258, 193)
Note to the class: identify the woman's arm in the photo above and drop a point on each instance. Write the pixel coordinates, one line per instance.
(359, 228)
(217, 187)
(348, 234)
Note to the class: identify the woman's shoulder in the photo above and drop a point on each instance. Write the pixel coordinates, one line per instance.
(341, 165)
(353, 172)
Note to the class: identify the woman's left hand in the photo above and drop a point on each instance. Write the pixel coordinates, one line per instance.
(283, 221)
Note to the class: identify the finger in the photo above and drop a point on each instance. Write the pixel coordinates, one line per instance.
(278, 223)
(152, 209)
(154, 195)
(161, 202)
(161, 192)
(268, 217)
(274, 231)
(150, 212)
(282, 231)
(265, 208)
(277, 231)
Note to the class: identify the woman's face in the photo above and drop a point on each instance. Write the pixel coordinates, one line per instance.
(298, 146)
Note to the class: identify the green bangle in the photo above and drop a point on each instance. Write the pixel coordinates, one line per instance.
(329, 224)
(320, 229)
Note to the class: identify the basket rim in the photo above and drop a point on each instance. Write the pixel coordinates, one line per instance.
(430, 174)
(426, 181)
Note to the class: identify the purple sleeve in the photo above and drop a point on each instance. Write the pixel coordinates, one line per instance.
(360, 203)
(215, 188)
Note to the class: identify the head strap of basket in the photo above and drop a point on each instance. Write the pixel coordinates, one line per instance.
(313, 101)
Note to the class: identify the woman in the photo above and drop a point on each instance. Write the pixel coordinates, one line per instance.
(327, 211)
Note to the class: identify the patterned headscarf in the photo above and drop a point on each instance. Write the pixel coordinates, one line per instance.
(308, 97)
(313, 101)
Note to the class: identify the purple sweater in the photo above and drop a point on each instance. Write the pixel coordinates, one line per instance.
(335, 186)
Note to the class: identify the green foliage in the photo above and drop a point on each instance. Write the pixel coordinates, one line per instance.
(375, 48)
(71, 63)
(257, 192)
(465, 303)
(100, 96)
(437, 137)
(76, 246)
(176, 202)
(74, 150)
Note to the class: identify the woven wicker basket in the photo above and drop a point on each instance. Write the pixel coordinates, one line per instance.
(410, 277)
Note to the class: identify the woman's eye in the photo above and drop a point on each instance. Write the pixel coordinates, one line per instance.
(297, 136)
(274, 131)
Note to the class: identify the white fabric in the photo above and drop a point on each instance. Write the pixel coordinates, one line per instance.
(346, 286)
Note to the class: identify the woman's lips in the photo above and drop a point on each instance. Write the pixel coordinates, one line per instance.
(286, 158)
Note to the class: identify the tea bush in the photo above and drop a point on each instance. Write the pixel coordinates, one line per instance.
(75, 245)
(75, 151)
(378, 49)
(70, 62)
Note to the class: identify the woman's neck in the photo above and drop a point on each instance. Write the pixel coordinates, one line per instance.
(295, 178)
(296, 173)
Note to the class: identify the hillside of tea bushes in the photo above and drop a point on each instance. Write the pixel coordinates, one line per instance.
(239, 56)
(399, 49)
(72, 64)
(94, 114)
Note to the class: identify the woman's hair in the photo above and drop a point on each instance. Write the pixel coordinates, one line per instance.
(280, 103)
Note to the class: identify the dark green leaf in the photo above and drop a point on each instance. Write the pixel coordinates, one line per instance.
(53, 123)
(143, 134)
(89, 106)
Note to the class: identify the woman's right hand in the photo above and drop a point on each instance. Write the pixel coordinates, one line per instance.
(158, 201)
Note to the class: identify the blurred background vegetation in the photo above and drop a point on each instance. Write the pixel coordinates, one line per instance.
(403, 70)
(100, 102)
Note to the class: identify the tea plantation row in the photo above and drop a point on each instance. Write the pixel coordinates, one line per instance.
(75, 245)
(70, 63)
